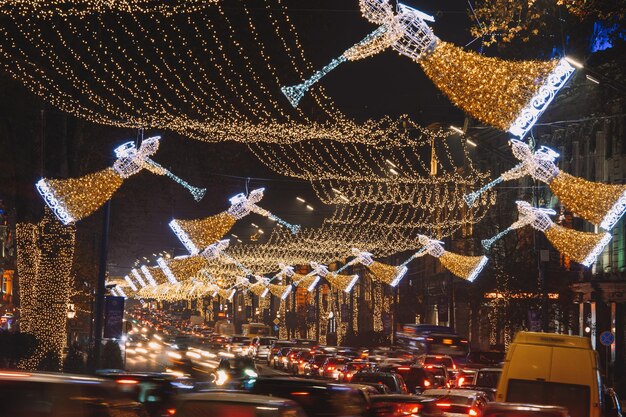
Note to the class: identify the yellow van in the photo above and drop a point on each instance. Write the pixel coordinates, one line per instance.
(552, 369)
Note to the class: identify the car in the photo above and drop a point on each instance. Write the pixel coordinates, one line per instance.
(347, 371)
(43, 394)
(314, 366)
(276, 347)
(238, 344)
(317, 398)
(523, 410)
(304, 342)
(299, 360)
(279, 359)
(261, 346)
(440, 376)
(416, 378)
(182, 342)
(398, 405)
(393, 381)
(227, 404)
(156, 391)
(290, 359)
(217, 341)
(457, 402)
(330, 367)
(486, 380)
(484, 359)
(444, 360)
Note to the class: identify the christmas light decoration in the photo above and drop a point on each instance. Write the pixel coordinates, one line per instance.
(200, 233)
(466, 267)
(388, 274)
(600, 204)
(75, 198)
(59, 8)
(45, 254)
(148, 275)
(582, 247)
(166, 270)
(508, 95)
(138, 277)
(130, 282)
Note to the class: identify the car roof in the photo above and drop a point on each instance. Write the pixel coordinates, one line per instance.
(239, 397)
(456, 392)
(489, 370)
(399, 397)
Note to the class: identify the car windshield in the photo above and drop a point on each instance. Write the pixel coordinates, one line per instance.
(487, 379)
(266, 341)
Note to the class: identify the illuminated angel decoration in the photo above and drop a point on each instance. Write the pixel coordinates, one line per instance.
(199, 233)
(386, 273)
(582, 247)
(466, 267)
(73, 199)
(600, 204)
(512, 94)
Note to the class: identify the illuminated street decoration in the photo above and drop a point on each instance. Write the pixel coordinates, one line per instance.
(166, 270)
(582, 247)
(600, 204)
(341, 281)
(130, 283)
(73, 199)
(148, 275)
(199, 233)
(513, 94)
(388, 274)
(466, 267)
(138, 277)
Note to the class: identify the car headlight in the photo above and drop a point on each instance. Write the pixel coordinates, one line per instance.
(251, 373)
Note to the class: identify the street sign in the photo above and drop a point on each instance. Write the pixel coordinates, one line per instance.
(276, 322)
(607, 338)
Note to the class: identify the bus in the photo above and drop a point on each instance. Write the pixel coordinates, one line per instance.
(428, 339)
(255, 329)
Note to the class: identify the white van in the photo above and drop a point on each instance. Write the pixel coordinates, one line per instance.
(552, 369)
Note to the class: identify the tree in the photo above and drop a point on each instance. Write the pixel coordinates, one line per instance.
(112, 356)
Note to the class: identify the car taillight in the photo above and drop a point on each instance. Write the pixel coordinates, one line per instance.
(330, 368)
(461, 381)
(426, 383)
(403, 368)
(453, 366)
(171, 411)
(472, 412)
(315, 366)
(408, 409)
(443, 405)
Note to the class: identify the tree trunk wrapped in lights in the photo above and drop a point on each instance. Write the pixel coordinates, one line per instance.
(582, 247)
(45, 254)
(76, 198)
(200, 233)
(466, 267)
(510, 95)
(600, 204)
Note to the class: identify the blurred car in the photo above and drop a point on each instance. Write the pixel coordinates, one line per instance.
(523, 410)
(156, 391)
(378, 386)
(276, 347)
(457, 402)
(348, 352)
(465, 377)
(228, 404)
(314, 366)
(217, 341)
(299, 360)
(261, 346)
(279, 359)
(486, 380)
(484, 359)
(183, 342)
(330, 367)
(347, 371)
(40, 394)
(444, 360)
(305, 342)
(440, 376)
(398, 405)
(290, 359)
(393, 381)
(416, 378)
(317, 398)
(238, 345)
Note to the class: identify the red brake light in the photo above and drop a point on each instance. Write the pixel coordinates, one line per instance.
(171, 411)
(444, 405)
(331, 368)
(472, 412)
(426, 383)
(300, 393)
(453, 366)
(15, 374)
(127, 381)
(403, 368)
(461, 381)
(438, 357)
(408, 409)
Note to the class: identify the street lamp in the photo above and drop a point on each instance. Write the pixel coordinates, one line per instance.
(71, 311)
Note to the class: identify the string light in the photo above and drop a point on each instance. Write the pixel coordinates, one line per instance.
(57, 8)
(44, 260)
(130, 282)
(138, 277)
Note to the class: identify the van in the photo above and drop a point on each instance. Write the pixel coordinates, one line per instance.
(552, 369)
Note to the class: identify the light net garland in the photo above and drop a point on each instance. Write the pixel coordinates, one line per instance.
(59, 8)
(226, 89)
(47, 280)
